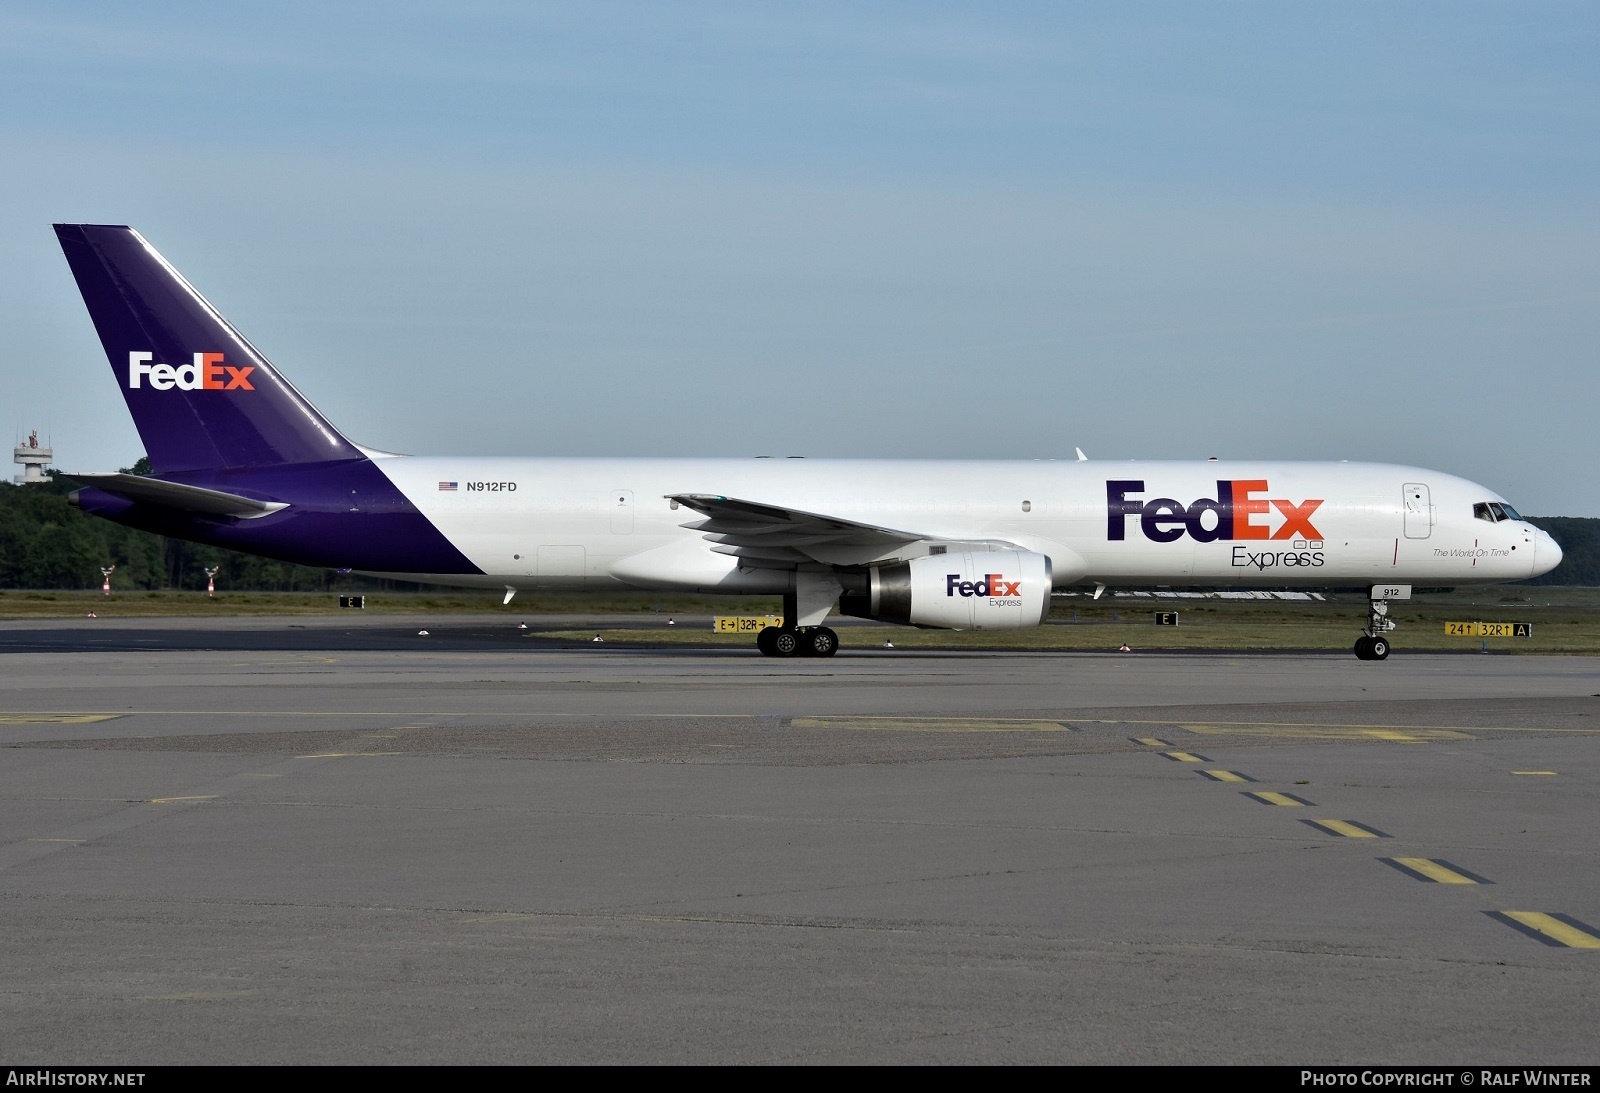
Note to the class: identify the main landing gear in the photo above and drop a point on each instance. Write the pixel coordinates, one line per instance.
(807, 641)
(813, 592)
(1373, 644)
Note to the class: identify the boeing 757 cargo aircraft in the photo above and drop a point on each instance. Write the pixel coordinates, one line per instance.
(242, 460)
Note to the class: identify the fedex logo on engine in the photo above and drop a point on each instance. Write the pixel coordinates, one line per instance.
(1239, 511)
(206, 373)
(993, 584)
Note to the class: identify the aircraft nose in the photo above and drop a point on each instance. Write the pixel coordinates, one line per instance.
(1546, 553)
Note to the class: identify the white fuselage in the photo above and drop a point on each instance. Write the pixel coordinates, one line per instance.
(567, 523)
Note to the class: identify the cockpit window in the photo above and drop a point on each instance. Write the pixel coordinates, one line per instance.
(1494, 511)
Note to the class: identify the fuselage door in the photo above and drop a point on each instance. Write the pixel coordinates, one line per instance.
(1419, 511)
(556, 562)
(620, 502)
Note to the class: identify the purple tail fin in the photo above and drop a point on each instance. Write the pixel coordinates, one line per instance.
(201, 396)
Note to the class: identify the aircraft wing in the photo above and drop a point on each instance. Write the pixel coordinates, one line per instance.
(175, 495)
(775, 535)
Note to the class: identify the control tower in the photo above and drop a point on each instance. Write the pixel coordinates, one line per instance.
(32, 459)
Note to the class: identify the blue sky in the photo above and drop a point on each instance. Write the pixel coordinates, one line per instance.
(1363, 231)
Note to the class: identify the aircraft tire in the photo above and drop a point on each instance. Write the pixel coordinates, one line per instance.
(1362, 652)
(764, 640)
(821, 642)
(785, 643)
(1377, 648)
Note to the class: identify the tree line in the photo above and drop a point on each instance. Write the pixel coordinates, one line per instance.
(46, 543)
(1579, 537)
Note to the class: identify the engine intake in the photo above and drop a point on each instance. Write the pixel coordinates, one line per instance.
(990, 590)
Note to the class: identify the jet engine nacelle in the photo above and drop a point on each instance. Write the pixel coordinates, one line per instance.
(992, 590)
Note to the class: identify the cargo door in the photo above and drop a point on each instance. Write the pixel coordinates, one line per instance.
(557, 563)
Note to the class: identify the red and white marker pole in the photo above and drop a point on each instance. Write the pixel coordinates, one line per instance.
(105, 586)
(211, 580)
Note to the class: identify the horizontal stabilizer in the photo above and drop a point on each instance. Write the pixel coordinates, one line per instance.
(175, 495)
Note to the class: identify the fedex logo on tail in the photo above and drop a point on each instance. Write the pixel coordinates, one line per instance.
(1239, 511)
(206, 373)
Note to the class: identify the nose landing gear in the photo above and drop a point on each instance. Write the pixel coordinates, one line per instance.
(1369, 647)
(1373, 644)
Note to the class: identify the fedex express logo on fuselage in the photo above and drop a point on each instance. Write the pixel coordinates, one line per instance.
(1239, 511)
(206, 373)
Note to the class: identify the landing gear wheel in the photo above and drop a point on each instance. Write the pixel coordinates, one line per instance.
(764, 640)
(785, 643)
(821, 642)
(1372, 645)
(1371, 648)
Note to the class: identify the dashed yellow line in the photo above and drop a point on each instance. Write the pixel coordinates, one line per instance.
(1338, 729)
(348, 754)
(1152, 741)
(1384, 734)
(1185, 757)
(1551, 773)
(175, 800)
(1348, 829)
(1558, 931)
(1434, 870)
(1225, 776)
(1287, 800)
(932, 724)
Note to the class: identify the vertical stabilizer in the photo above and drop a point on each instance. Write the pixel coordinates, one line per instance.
(201, 396)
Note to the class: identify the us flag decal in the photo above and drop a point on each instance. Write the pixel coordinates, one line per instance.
(447, 485)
